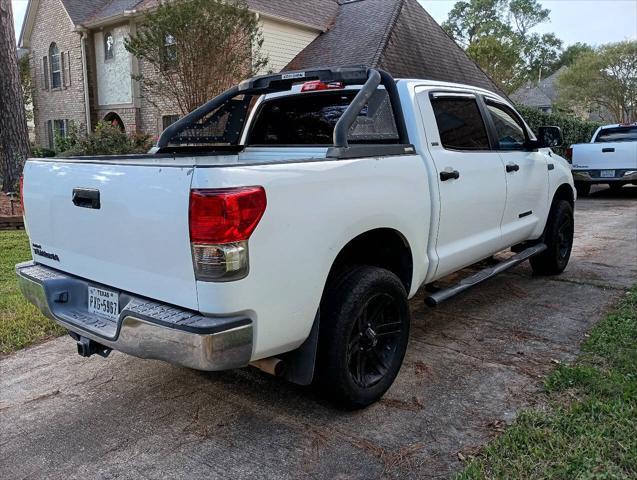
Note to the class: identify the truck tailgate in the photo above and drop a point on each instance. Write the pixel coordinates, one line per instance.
(133, 238)
(600, 156)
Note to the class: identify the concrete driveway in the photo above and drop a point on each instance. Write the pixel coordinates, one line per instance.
(471, 365)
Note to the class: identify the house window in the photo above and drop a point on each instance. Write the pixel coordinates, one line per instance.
(55, 62)
(109, 46)
(168, 120)
(170, 49)
(56, 129)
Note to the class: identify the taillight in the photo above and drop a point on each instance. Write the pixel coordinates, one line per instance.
(221, 222)
(317, 85)
(22, 193)
(569, 154)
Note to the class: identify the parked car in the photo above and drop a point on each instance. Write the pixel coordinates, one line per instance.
(286, 223)
(610, 158)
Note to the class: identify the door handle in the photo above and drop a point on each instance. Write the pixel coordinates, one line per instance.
(86, 198)
(444, 176)
(512, 167)
(608, 150)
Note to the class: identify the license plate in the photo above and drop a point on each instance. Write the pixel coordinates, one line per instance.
(103, 302)
(607, 173)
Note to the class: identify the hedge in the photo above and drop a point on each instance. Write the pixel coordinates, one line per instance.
(573, 129)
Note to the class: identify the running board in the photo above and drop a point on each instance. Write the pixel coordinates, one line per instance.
(479, 277)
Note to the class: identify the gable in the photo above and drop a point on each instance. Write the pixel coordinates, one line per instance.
(43, 11)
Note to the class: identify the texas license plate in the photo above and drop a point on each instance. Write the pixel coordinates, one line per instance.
(607, 173)
(103, 302)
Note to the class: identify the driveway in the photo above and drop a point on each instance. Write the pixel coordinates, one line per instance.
(471, 365)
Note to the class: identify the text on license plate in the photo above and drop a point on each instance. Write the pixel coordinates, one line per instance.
(607, 173)
(103, 302)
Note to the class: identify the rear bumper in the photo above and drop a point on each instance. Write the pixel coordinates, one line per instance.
(621, 176)
(145, 328)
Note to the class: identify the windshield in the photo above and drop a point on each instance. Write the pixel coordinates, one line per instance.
(617, 134)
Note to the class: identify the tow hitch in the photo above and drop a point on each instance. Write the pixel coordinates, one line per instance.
(87, 347)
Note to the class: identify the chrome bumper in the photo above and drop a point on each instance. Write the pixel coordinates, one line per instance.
(629, 176)
(145, 328)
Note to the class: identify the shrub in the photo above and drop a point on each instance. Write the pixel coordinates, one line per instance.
(573, 129)
(107, 139)
(39, 152)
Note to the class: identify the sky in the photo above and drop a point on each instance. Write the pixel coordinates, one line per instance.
(591, 21)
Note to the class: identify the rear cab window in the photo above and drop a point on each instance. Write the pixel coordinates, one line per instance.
(309, 119)
(617, 134)
(460, 123)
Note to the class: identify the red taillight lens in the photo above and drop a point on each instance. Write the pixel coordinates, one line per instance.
(317, 85)
(569, 154)
(225, 215)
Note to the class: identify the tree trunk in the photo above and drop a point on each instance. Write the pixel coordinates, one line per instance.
(14, 134)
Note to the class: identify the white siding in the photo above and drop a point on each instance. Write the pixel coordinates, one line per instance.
(114, 85)
(282, 42)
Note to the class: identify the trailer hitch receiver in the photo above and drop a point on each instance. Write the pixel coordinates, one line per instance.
(87, 347)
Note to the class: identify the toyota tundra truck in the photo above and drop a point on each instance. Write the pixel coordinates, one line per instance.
(286, 223)
(609, 158)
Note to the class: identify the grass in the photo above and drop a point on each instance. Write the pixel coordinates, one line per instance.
(21, 323)
(589, 429)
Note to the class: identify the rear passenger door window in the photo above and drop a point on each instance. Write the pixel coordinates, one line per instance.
(509, 129)
(460, 123)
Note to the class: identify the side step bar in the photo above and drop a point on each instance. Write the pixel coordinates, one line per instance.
(479, 277)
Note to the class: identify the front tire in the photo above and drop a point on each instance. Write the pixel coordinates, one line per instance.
(363, 337)
(558, 237)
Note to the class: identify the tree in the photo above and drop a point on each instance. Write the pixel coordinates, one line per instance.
(499, 58)
(526, 14)
(497, 35)
(14, 136)
(470, 20)
(542, 54)
(571, 53)
(604, 78)
(196, 49)
(27, 85)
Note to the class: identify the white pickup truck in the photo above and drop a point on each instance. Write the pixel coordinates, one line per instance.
(286, 223)
(610, 158)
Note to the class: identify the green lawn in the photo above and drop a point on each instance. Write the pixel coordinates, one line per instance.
(21, 324)
(589, 430)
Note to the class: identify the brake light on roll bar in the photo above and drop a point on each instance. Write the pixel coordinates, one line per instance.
(317, 85)
(221, 221)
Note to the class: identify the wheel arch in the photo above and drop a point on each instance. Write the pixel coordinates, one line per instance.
(381, 247)
(564, 192)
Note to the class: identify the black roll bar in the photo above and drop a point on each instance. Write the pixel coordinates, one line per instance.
(371, 78)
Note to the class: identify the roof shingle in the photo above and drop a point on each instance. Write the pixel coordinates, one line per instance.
(351, 40)
(405, 40)
(80, 10)
(316, 13)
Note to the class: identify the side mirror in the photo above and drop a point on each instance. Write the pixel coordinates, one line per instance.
(549, 137)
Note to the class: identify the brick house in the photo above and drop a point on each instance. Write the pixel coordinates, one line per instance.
(82, 73)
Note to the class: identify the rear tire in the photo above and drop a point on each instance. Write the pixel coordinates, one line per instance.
(363, 337)
(558, 237)
(583, 189)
